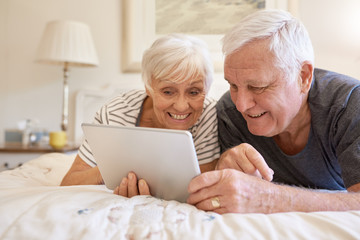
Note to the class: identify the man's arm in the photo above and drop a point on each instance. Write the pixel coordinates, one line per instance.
(238, 192)
(80, 173)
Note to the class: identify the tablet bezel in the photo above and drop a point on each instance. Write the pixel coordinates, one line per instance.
(165, 158)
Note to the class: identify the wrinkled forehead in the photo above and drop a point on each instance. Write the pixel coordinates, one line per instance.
(179, 76)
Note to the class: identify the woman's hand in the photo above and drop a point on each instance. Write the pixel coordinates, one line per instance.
(130, 186)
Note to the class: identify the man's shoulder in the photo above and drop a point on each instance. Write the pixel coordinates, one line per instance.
(331, 88)
(225, 102)
(325, 79)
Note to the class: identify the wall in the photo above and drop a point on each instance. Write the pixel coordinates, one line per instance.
(334, 27)
(32, 90)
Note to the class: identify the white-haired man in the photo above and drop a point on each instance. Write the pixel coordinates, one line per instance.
(284, 127)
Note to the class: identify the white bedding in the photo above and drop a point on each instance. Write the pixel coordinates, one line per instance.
(33, 206)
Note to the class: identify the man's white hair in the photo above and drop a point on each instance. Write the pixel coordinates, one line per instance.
(288, 38)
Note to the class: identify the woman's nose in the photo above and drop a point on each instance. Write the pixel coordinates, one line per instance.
(181, 104)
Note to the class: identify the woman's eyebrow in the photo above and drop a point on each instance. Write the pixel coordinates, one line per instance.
(195, 82)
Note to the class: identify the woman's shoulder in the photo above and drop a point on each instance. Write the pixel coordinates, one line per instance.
(131, 99)
(208, 116)
(209, 103)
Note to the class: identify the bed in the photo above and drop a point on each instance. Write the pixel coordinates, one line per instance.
(34, 206)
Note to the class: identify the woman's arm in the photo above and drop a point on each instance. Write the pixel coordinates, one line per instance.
(82, 173)
(208, 166)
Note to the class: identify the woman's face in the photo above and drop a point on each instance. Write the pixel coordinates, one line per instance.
(177, 105)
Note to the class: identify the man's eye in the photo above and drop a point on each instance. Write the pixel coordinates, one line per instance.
(233, 86)
(257, 89)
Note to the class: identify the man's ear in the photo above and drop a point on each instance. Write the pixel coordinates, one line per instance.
(306, 75)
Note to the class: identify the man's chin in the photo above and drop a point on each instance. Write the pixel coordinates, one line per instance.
(259, 132)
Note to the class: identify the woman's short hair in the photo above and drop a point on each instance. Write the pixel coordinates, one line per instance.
(177, 57)
(288, 38)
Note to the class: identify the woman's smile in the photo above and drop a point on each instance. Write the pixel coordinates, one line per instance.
(178, 116)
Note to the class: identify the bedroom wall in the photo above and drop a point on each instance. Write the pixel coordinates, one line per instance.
(32, 90)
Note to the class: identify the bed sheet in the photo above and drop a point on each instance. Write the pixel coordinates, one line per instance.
(33, 206)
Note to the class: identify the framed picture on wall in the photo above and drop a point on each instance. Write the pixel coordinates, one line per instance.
(146, 20)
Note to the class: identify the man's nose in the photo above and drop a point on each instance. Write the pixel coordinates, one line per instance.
(243, 100)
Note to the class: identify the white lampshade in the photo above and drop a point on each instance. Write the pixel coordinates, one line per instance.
(67, 42)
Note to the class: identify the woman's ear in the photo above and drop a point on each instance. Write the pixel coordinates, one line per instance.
(148, 92)
(306, 75)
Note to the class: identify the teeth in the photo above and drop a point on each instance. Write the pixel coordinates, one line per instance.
(256, 116)
(179, 117)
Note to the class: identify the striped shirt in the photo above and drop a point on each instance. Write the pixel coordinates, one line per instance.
(125, 110)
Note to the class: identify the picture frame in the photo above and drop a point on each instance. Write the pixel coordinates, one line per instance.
(139, 32)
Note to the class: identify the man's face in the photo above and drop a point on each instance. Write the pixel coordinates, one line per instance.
(264, 96)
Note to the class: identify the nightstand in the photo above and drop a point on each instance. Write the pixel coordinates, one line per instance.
(14, 155)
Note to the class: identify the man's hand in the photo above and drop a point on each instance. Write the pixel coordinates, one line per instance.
(231, 191)
(130, 186)
(247, 159)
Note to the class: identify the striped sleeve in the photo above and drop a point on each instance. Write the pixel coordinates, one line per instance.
(122, 110)
(205, 134)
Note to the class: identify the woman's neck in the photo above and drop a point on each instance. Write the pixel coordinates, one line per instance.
(147, 118)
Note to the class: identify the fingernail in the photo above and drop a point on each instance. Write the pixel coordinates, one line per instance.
(123, 181)
(131, 176)
(141, 183)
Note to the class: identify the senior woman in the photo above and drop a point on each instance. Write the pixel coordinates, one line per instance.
(177, 73)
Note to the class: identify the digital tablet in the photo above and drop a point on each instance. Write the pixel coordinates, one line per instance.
(165, 158)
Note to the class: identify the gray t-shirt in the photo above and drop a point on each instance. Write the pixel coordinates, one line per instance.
(331, 158)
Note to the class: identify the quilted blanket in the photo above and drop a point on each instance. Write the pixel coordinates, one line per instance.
(34, 206)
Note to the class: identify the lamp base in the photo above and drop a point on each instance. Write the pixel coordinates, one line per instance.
(65, 110)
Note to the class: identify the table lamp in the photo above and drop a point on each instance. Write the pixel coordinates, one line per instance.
(67, 43)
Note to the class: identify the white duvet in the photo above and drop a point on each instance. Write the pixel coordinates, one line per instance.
(33, 206)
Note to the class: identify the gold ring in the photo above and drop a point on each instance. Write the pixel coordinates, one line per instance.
(215, 202)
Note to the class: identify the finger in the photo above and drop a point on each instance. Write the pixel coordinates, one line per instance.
(116, 190)
(204, 180)
(229, 160)
(143, 187)
(132, 185)
(210, 204)
(123, 188)
(258, 163)
(221, 210)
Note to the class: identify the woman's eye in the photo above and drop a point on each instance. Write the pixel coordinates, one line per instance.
(195, 92)
(166, 92)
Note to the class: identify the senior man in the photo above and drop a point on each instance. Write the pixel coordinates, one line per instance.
(286, 130)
